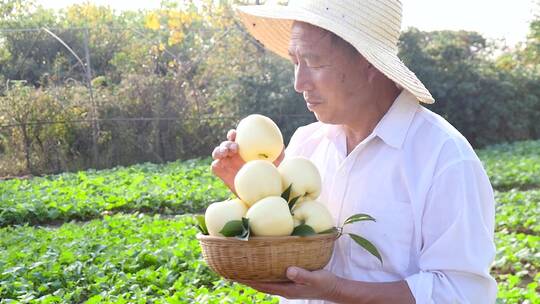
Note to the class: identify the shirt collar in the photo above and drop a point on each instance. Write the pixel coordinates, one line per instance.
(393, 127)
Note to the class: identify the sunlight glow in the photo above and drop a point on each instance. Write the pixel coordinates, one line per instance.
(495, 19)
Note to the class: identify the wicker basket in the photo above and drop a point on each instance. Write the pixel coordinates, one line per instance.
(265, 259)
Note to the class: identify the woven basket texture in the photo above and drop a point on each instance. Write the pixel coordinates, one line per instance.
(265, 259)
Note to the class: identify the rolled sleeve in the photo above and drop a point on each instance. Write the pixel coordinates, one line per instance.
(457, 238)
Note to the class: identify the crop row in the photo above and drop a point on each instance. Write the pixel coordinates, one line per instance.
(516, 267)
(184, 187)
(515, 165)
(138, 258)
(117, 259)
(174, 188)
(518, 211)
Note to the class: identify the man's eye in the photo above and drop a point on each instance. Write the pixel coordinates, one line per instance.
(314, 65)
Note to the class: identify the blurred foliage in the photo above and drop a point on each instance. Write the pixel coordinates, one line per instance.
(530, 53)
(191, 72)
(487, 103)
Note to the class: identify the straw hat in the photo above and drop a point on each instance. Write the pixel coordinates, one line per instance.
(371, 26)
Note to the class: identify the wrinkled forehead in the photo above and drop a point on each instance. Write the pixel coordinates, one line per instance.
(305, 34)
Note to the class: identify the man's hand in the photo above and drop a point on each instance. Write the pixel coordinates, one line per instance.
(320, 284)
(227, 161)
(324, 285)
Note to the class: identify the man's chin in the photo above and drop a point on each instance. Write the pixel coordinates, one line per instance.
(322, 118)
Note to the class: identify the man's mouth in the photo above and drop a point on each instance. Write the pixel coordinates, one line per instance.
(312, 103)
(312, 100)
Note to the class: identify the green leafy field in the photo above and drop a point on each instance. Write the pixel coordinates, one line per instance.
(120, 259)
(125, 235)
(514, 165)
(175, 188)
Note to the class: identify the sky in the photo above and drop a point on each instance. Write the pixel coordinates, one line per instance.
(495, 19)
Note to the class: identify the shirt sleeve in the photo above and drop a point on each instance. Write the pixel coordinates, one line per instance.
(457, 230)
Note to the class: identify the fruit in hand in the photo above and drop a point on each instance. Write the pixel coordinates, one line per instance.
(270, 217)
(258, 137)
(313, 214)
(304, 177)
(220, 213)
(256, 180)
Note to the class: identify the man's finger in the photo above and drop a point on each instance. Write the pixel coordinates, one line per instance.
(215, 153)
(281, 289)
(233, 147)
(228, 148)
(299, 275)
(231, 135)
(215, 166)
(280, 158)
(224, 144)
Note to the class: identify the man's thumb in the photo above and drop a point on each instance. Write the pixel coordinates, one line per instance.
(299, 275)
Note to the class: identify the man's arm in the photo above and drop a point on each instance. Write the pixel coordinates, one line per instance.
(324, 285)
(366, 292)
(457, 238)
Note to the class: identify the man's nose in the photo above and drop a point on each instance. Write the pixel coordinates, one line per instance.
(302, 78)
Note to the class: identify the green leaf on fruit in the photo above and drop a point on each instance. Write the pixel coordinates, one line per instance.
(245, 230)
(329, 231)
(232, 228)
(285, 195)
(358, 218)
(303, 230)
(293, 202)
(202, 224)
(367, 245)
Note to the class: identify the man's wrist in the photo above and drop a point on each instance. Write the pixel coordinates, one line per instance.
(349, 291)
(339, 292)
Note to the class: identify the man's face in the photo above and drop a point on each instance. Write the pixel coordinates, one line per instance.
(331, 75)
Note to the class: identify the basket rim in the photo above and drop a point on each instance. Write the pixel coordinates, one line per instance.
(202, 237)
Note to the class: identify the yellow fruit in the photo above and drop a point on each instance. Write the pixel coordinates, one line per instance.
(270, 217)
(258, 137)
(314, 214)
(304, 177)
(257, 179)
(220, 213)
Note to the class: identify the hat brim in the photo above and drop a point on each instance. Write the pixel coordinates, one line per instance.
(271, 26)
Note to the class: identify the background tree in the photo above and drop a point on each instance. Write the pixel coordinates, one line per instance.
(169, 82)
(485, 102)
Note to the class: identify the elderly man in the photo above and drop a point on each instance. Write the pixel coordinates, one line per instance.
(379, 152)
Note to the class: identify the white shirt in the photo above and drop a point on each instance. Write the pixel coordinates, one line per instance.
(423, 183)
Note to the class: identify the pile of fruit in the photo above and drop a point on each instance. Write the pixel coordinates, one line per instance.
(272, 201)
